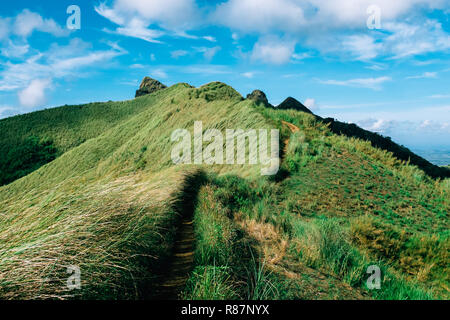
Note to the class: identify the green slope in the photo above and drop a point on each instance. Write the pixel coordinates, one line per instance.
(24, 138)
(111, 201)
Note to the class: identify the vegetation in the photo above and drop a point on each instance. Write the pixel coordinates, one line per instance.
(24, 158)
(385, 143)
(112, 200)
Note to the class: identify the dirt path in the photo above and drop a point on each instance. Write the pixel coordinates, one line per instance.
(177, 269)
(182, 260)
(293, 129)
(181, 264)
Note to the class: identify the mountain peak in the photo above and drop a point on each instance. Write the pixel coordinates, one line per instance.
(259, 97)
(149, 85)
(291, 103)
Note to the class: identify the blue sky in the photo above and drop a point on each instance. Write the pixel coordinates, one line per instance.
(393, 79)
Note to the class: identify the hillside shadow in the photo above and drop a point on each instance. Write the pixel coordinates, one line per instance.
(173, 271)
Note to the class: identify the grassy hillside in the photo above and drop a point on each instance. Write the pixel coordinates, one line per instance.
(111, 203)
(385, 143)
(31, 140)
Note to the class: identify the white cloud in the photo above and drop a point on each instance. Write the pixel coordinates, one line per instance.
(4, 27)
(370, 83)
(258, 16)
(440, 96)
(208, 53)
(210, 39)
(205, 69)
(248, 75)
(27, 22)
(57, 62)
(301, 56)
(134, 17)
(14, 50)
(34, 95)
(273, 50)
(178, 53)
(339, 26)
(7, 111)
(376, 67)
(415, 39)
(425, 75)
(363, 47)
(306, 15)
(14, 32)
(406, 127)
(310, 104)
(137, 28)
(159, 73)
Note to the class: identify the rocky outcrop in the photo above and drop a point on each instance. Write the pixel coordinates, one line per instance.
(259, 97)
(291, 103)
(149, 85)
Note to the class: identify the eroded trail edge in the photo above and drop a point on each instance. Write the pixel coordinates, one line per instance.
(181, 263)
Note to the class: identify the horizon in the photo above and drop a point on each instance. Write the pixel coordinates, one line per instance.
(391, 77)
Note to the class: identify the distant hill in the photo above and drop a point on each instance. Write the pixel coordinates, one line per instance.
(291, 103)
(385, 143)
(94, 187)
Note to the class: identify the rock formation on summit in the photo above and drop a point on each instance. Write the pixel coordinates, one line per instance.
(258, 96)
(149, 85)
(291, 103)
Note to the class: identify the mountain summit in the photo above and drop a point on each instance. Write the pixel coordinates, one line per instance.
(259, 97)
(149, 85)
(291, 103)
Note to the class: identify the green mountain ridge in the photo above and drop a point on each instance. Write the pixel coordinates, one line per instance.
(103, 194)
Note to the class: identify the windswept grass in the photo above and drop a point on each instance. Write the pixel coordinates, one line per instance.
(111, 201)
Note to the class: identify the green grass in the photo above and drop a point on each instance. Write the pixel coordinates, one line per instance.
(100, 191)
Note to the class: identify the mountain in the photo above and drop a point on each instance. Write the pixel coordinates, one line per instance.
(101, 194)
(291, 103)
(259, 97)
(385, 143)
(148, 86)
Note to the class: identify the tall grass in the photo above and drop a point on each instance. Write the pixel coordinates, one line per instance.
(110, 203)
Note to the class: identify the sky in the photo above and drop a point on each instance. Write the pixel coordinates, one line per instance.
(382, 64)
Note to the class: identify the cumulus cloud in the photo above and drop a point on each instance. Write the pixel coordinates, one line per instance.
(339, 26)
(257, 16)
(34, 95)
(306, 15)
(27, 22)
(273, 50)
(310, 104)
(370, 83)
(57, 62)
(408, 39)
(389, 126)
(14, 32)
(134, 17)
(363, 47)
